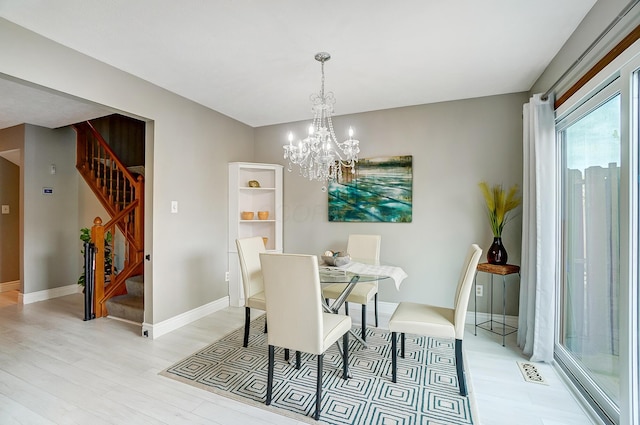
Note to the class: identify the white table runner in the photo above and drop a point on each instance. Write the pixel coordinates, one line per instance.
(394, 272)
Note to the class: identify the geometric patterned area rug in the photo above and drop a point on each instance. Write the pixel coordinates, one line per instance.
(426, 391)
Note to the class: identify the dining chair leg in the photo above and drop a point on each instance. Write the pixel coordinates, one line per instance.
(297, 359)
(319, 387)
(364, 322)
(270, 374)
(394, 356)
(247, 322)
(345, 356)
(286, 354)
(265, 323)
(346, 308)
(375, 300)
(402, 338)
(462, 383)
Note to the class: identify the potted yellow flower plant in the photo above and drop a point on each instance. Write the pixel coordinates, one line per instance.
(499, 203)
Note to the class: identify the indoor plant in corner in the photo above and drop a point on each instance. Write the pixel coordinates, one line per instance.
(85, 236)
(499, 203)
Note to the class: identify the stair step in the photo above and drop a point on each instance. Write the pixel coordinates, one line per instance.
(128, 307)
(135, 286)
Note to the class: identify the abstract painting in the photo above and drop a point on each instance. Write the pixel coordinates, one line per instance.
(380, 190)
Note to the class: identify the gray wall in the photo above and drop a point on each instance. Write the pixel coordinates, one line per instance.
(50, 251)
(10, 223)
(455, 145)
(89, 207)
(190, 151)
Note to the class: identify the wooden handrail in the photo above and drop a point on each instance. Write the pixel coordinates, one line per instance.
(117, 289)
(120, 216)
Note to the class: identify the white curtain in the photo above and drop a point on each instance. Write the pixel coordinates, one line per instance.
(536, 322)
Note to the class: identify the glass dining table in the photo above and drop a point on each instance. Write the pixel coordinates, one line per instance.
(332, 275)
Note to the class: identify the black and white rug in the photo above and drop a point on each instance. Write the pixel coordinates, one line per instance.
(426, 391)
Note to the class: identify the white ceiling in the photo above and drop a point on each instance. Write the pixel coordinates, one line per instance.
(253, 60)
(21, 103)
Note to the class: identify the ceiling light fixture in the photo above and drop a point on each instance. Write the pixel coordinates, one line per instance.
(320, 156)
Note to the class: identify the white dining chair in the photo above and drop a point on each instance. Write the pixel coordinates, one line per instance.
(437, 322)
(366, 249)
(249, 250)
(301, 325)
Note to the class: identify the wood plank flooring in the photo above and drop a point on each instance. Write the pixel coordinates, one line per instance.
(57, 369)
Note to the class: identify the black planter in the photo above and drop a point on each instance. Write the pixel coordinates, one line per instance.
(496, 253)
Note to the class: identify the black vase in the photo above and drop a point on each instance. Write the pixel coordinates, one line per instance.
(496, 253)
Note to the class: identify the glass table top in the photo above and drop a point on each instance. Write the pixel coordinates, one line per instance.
(335, 275)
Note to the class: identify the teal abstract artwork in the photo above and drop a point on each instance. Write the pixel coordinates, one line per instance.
(380, 190)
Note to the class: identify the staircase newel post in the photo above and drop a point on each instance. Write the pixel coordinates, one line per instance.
(97, 237)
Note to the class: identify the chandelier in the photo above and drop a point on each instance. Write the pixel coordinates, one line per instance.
(320, 156)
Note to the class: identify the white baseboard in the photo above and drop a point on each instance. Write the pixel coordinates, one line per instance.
(10, 286)
(156, 330)
(47, 294)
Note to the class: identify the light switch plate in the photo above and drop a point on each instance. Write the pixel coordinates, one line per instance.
(5, 209)
(174, 207)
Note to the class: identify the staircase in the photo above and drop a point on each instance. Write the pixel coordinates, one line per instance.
(129, 306)
(120, 191)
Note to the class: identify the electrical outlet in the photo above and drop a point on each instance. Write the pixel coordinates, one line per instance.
(479, 290)
(226, 276)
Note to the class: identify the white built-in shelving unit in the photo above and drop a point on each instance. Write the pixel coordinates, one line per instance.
(242, 197)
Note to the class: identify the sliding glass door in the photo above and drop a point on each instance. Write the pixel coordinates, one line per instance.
(589, 328)
(597, 308)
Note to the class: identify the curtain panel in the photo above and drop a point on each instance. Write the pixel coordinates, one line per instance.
(536, 322)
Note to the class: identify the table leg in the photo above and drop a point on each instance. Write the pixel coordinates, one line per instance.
(343, 296)
(335, 306)
(358, 338)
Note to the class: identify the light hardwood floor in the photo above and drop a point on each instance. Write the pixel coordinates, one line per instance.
(57, 369)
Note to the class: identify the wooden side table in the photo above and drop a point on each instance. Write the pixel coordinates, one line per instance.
(502, 270)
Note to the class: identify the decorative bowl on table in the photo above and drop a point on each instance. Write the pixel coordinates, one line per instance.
(337, 259)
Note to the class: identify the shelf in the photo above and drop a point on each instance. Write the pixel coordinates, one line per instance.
(242, 197)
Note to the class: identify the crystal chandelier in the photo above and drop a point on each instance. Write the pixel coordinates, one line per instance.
(320, 156)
